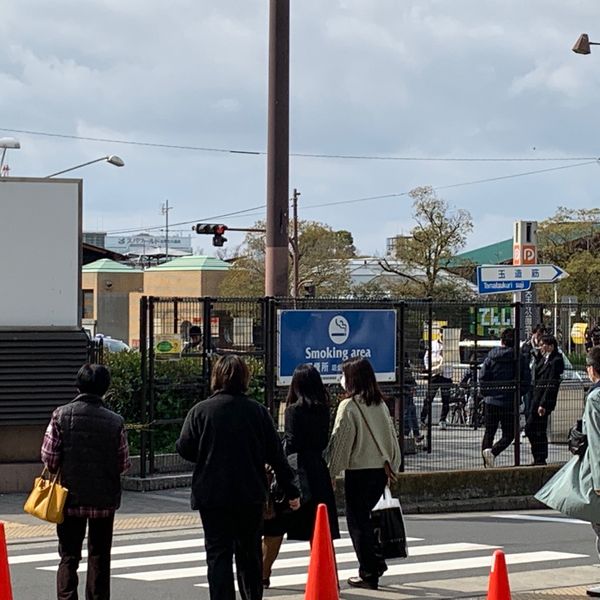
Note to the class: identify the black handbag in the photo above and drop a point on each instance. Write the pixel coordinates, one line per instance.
(577, 440)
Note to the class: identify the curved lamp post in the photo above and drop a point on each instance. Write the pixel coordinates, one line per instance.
(582, 45)
(7, 143)
(112, 159)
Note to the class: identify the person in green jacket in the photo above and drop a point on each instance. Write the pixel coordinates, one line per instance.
(575, 489)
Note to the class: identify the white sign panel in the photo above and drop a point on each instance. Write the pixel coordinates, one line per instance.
(533, 273)
(41, 279)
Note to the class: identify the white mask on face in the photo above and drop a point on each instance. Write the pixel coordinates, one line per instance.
(343, 381)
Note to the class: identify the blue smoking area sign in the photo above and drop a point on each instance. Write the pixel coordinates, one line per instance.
(326, 338)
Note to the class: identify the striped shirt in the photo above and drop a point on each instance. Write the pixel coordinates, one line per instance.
(52, 458)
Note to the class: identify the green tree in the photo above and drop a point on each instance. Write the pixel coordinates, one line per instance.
(322, 260)
(571, 240)
(439, 234)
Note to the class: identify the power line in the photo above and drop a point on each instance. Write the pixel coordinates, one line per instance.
(249, 211)
(368, 157)
(214, 217)
(454, 185)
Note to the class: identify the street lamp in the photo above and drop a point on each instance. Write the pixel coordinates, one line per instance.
(582, 45)
(112, 159)
(7, 143)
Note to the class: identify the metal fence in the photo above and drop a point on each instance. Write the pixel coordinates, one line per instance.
(248, 326)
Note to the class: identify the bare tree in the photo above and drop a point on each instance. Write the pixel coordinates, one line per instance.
(438, 236)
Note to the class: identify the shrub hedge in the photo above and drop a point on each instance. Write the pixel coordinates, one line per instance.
(178, 385)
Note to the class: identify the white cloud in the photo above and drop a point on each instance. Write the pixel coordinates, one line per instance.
(416, 78)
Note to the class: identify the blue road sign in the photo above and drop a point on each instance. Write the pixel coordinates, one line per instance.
(326, 338)
(500, 287)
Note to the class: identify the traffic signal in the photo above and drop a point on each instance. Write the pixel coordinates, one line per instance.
(218, 239)
(217, 232)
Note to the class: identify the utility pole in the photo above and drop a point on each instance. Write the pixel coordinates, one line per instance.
(276, 259)
(294, 241)
(165, 211)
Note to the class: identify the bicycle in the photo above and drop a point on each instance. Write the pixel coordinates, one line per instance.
(458, 407)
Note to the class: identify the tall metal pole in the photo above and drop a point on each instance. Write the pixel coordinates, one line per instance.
(295, 248)
(276, 258)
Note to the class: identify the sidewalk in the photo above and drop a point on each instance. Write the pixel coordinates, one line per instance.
(138, 512)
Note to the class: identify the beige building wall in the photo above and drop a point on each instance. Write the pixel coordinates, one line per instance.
(111, 300)
(173, 283)
(180, 284)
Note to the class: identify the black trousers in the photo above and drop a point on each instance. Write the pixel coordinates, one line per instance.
(71, 533)
(229, 531)
(536, 431)
(363, 488)
(444, 384)
(495, 416)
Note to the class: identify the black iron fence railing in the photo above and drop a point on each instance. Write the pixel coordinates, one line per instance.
(437, 405)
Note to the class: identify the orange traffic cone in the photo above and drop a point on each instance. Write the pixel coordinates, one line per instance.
(322, 582)
(5, 589)
(498, 587)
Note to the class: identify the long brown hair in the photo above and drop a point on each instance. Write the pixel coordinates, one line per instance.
(230, 374)
(361, 381)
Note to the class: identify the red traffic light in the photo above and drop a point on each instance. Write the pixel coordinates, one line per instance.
(210, 228)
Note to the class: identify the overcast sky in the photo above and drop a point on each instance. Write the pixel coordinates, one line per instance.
(402, 78)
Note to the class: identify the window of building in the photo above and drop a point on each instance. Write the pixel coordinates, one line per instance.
(88, 304)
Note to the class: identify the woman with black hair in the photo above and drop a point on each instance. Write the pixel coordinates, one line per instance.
(364, 445)
(305, 439)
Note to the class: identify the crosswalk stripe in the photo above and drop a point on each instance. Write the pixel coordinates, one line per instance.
(166, 559)
(457, 564)
(541, 518)
(162, 546)
(290, 563)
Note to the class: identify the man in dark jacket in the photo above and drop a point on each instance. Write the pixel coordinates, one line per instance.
(88, 444)
(531, 350)
(498, 378)
(548, 372)
(231, 438)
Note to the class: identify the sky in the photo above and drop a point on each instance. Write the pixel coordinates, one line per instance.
(426, 79)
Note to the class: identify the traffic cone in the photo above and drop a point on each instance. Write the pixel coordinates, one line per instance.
(322, 582)
(498, 587)
(5, 589)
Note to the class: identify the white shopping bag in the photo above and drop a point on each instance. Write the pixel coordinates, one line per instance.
(387, 500)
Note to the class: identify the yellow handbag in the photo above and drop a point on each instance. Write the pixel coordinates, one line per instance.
(47, 498)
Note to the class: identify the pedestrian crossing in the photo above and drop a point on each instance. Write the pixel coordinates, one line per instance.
(184, 559)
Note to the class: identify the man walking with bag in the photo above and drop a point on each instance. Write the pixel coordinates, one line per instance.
(87, 443)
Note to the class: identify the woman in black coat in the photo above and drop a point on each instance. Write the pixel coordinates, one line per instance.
(549, 367)
(306, 437)
(230, 438)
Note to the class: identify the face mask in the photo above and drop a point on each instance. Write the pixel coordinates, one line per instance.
(343, 381)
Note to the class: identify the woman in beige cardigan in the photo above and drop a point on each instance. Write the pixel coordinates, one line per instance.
(363, 444)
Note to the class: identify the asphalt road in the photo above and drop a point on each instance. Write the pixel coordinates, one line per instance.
(450, 557)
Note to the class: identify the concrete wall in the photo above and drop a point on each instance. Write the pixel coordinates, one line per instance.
(111, 300)
(20, 456)
(173, 283)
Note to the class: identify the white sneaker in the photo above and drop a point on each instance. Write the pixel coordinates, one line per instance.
(442, 425)
(488, 458)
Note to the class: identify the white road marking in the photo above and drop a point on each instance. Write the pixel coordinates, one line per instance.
(290, 563)
(458, 564)
(539, 518)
